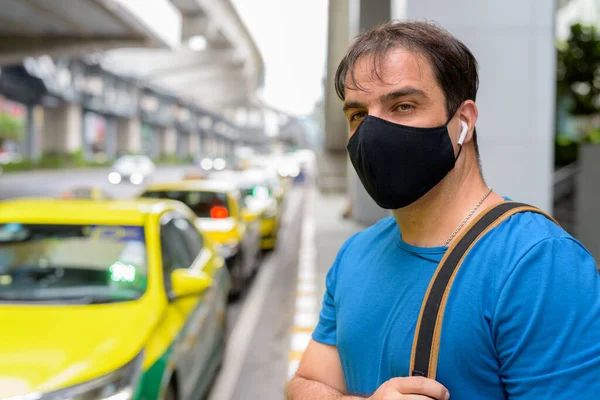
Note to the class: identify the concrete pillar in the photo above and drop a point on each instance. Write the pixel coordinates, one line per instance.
(182, 144)
(515, 48)
(332, 161)
(129, 136)
(217, 147)
(370, 13)
(159, 142)
(171, 141)
(587, 217)
(209, 146)
(110, 138)
(194, 143)
(89, 126)
(346, 19)
(63, 129)
(167, 141)
(214, 148)
(31, 148)
(203, 142)
(155, 142)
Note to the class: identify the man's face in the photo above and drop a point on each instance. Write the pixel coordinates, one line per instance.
(406, 94)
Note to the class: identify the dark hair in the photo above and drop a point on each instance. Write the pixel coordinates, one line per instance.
(453, 64)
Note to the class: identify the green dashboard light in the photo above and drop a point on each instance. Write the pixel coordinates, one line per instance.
(120, 272)
(260, 192)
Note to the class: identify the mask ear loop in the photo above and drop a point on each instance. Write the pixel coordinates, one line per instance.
(463, 132)
(459, 150)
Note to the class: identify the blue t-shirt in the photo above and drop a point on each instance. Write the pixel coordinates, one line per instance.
(522, 319)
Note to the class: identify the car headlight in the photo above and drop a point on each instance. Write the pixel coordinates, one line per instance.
(117, 385)
(136, 178)
(114, 178)
(206, 164)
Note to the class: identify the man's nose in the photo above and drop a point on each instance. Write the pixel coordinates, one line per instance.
(377, 112)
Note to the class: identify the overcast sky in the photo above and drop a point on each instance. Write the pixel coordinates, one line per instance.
(292, 37)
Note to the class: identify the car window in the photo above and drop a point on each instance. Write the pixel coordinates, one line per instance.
(193, 239)
(103, 263)
(203, 203)
(175, 251)
(124, 160)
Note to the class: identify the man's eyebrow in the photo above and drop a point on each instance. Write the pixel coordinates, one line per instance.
(353, 104)
(401, 93)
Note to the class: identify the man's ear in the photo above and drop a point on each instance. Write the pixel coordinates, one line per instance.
(468, 113)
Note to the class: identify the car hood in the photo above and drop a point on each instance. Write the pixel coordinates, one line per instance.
(45, 348)
(128, 169)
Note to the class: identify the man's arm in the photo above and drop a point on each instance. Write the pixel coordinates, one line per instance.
(320, 377)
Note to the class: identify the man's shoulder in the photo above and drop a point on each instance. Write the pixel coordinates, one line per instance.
(369, 239)
(386, 227)
(523, 232)
(532, 228)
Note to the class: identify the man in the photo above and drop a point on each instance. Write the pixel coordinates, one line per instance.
(522, 320)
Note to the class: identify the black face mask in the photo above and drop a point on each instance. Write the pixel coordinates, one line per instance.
(398, 164)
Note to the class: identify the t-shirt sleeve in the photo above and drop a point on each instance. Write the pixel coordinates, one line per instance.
(546, 324)
(326, 330)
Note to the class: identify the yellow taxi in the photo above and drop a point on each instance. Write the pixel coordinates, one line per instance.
(263, 200)
(221, 216)
(108, 300)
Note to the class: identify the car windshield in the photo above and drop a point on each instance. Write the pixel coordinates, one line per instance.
(204, 204)
(72, 263)
(258, 191)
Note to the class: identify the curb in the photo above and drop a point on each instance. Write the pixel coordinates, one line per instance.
(307, 307)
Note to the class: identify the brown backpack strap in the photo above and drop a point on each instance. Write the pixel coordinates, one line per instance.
(426, 343)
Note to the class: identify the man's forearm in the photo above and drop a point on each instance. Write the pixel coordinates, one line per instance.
(305, 389)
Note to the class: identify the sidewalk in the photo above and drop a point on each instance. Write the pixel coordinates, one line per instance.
(332, 231)
(324, 231)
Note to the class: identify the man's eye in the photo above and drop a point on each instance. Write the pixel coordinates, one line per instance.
(357, 116)
(405, 107)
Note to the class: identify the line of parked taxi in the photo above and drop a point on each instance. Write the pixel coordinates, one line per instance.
(127, 299)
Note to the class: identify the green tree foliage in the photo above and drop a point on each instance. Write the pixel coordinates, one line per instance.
(578, 70)
(11, 128)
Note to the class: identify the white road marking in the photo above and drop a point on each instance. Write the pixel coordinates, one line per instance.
(306, 303)
(292, 368)
(300, 340)
(305, 319)
(307, 276)
(306, 287)
(306, 316)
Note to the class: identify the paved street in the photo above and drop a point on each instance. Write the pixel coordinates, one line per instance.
(54, 182)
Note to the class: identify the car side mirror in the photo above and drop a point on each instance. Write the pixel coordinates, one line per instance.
(186, 283)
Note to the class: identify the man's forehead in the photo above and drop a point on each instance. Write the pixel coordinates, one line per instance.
(399, 65)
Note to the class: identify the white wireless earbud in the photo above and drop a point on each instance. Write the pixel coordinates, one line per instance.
(463, 132)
